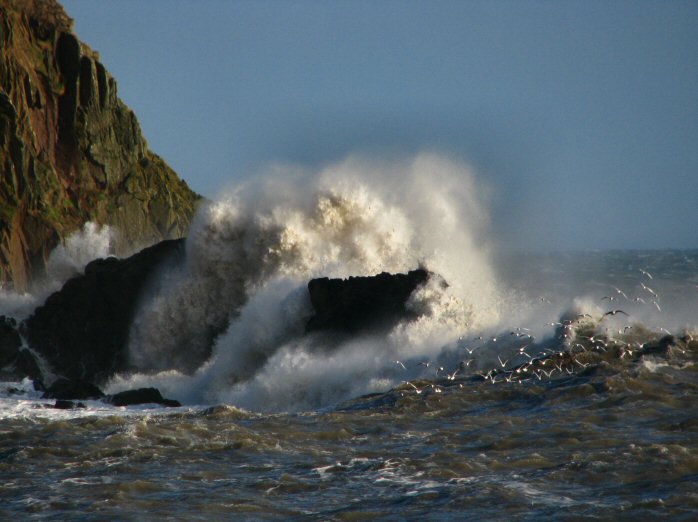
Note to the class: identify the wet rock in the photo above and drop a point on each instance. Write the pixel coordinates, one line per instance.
(27, 366)
(362, 304)
(140, 396)
(65, 389)
(67, 405)
(82, 330)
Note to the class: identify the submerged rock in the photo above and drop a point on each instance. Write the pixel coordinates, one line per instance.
(140, 396)
(362, 304)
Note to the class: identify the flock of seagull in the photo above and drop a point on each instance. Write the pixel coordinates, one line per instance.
(575, 337)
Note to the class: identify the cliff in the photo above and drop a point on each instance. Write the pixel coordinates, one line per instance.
(70, 150)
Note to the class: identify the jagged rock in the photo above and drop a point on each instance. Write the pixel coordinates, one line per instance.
(70, 150)
(82, 330)
(65, 389)
(361, 304)
(140, 396)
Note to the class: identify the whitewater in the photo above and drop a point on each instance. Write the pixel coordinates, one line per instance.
(555, 385)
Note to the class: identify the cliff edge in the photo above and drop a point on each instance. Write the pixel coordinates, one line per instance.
(70, 150)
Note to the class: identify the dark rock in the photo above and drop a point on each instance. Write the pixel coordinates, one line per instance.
(362, 304)
(82, 330)
(10, 341)
(65, 389)
(26, 365)
(140, 396)
(67, 405)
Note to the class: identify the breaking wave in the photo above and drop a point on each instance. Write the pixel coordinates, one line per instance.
(251, 253)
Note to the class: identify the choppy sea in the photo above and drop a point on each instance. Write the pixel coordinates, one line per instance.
(606, 429)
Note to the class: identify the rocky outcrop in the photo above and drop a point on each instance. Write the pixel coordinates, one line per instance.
(82, 330)
(362, 304)
(140, 396)
(70, 150)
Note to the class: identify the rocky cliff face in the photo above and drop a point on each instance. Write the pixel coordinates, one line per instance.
(70, 150)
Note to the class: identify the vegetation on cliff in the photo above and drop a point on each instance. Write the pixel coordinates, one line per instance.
(70, 150)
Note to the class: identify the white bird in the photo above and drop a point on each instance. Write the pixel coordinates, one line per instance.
(413, 386)
(464, 364)
(614, 312)
(618, 290)
(648, 289)
(452, 376)
(502, 363)
(646, 273)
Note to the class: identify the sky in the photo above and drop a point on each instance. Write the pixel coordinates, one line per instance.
(581, 116)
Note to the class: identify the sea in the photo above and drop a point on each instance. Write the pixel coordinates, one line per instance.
(546, 385)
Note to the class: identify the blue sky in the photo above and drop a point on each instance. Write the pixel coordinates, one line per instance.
(581, 116)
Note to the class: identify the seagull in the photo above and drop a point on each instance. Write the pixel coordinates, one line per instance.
(655, 303)
(464, 364)
(646, 273)
(618, 290)
(648, 289)
(502, 363)
(614, 312)
(400, 363)
(415, 388)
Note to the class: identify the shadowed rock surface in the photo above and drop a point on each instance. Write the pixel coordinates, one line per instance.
(64, 389)
(362, 304)
(82, 330)
(10, 341)
(140, 396)
(70, 150)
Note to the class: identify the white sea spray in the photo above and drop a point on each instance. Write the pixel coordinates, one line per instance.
(251, 253)
(68, 259)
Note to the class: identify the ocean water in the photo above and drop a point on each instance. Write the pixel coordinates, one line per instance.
(534, 386)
